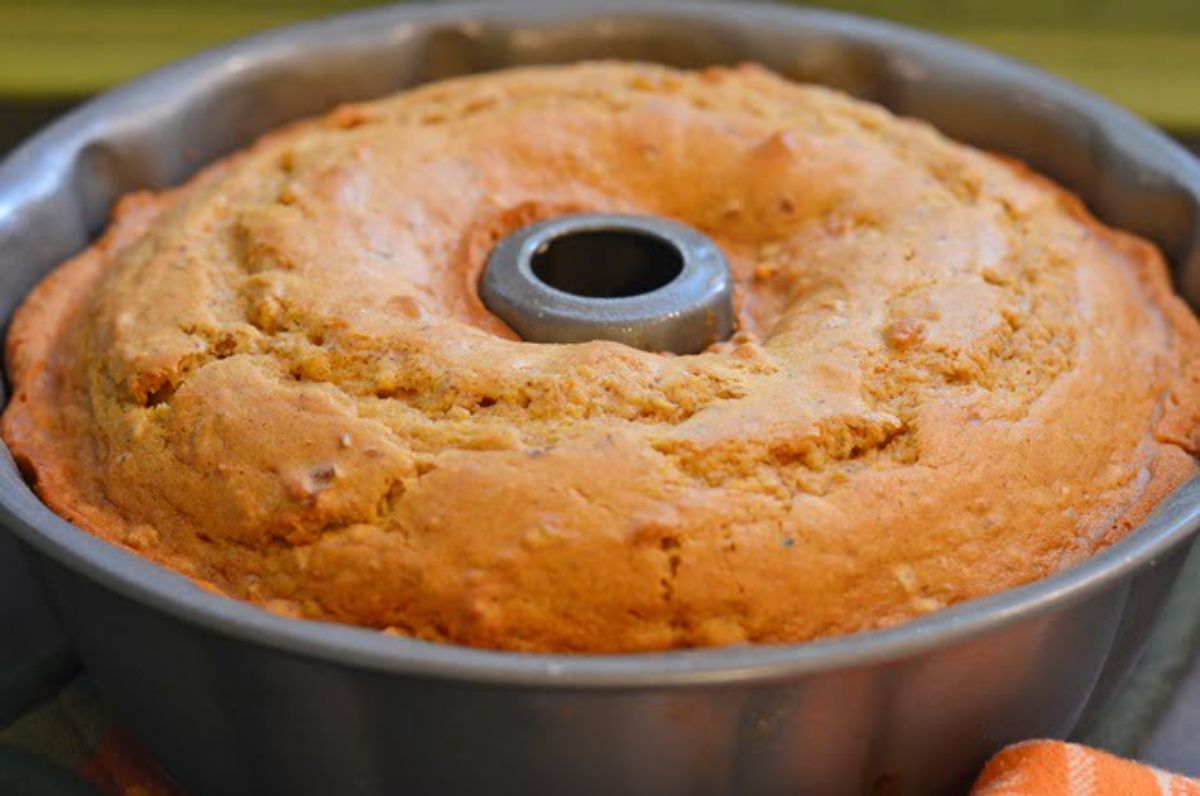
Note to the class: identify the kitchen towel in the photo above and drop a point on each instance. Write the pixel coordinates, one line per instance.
(1057, 768)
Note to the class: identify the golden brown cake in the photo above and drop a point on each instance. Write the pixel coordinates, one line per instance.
(279, 379)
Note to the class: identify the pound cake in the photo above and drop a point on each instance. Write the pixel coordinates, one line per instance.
(947, 378)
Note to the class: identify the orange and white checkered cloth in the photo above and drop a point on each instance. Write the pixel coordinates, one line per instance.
(1054, 768)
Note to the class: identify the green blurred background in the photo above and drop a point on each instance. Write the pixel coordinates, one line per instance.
(1141, 53)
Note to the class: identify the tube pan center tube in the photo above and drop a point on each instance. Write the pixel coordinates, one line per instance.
(645, 281)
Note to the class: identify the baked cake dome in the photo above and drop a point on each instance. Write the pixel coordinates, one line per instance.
(947, 378)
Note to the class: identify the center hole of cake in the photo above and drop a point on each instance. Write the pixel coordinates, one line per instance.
(610, 263)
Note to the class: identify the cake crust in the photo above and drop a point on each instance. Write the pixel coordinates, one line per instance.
(279, 380)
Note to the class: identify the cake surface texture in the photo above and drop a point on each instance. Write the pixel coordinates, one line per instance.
(948, 379)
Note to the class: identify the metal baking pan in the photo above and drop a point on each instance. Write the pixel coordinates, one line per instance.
(235, 700)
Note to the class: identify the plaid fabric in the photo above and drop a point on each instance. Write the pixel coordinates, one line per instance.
(69, 746)
(1055, 768)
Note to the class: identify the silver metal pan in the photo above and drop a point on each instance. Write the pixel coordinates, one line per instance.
(234, 700)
